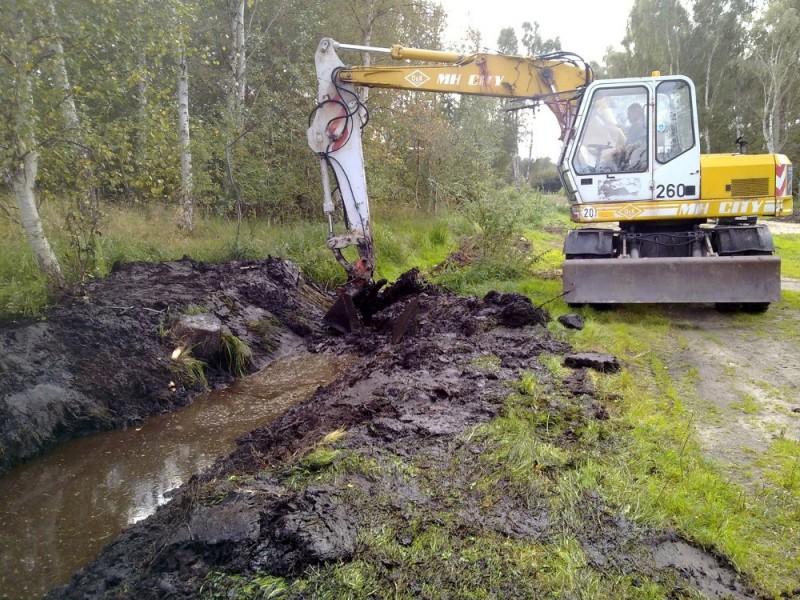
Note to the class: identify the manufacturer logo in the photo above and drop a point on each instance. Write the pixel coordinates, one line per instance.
(417, 78)
(629, 211)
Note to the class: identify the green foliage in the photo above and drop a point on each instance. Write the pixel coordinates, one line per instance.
(237, 354)
(219, 585)
(189, 370)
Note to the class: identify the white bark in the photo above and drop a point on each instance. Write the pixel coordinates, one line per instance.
(140, 141)
(23, 180)
(60, 76)
(186, 200)
(22, 175)
(238, 60)
(363, 92)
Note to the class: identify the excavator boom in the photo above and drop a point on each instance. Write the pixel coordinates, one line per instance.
(556, 80)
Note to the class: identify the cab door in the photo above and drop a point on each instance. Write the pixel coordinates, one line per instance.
(676, 172)
(611, 158)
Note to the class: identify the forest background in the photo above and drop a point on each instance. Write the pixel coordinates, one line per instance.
(200, 107)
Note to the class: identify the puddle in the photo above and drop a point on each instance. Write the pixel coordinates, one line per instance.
(59, 510)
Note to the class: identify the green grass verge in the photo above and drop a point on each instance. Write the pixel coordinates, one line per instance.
(788, 247)
(402, 241)
(658, 474)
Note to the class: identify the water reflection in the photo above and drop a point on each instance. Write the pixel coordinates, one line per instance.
(58, 511)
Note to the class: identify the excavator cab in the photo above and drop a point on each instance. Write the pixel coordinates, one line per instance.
(687, 223)
(633, 141)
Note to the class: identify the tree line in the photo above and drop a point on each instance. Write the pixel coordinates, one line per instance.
(742, 56)
(203, 104)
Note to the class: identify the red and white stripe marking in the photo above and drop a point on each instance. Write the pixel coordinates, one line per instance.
(781, 179)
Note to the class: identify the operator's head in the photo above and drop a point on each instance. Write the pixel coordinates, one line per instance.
(635, 113)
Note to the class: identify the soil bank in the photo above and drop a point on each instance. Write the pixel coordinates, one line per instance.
(103, 359)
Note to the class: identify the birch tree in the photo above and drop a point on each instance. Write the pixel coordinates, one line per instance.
(21, 162)
(717, 42)
(186, 201)
(69, 110)
(238, 62)
(774, 62)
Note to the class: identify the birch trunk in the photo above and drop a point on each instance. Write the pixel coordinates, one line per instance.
(22, 175)
(186, 200)
(69, 110)
(238, 90)
(363, 92)
(60, 76)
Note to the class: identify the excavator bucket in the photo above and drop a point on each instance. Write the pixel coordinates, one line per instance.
(717, 279)
(343, 315)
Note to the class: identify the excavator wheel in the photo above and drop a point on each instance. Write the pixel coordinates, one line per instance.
(604, 307)
(754, 308)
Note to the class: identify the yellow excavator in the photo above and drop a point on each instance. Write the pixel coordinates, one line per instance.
(687, 228)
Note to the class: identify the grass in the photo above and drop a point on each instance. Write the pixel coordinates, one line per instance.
(189, 370)
(403, 240)
(788, 247)
(237, 354)
(657, 473)
(747, 404)
(434, 561)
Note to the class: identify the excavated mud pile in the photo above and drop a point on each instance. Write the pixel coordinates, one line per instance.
(394, 449)
(103, 360)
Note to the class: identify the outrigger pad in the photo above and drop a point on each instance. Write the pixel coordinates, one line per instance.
(723, 279)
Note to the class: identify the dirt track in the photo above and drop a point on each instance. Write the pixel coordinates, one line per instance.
(744, 382)
(405, 460)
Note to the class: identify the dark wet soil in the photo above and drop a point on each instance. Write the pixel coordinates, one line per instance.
(406, 454)
(103, 360)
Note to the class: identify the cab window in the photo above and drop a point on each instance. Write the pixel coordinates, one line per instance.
(614, 137)
(674, 120)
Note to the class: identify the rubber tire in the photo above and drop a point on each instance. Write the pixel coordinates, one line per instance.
(727, 307)
(603, 307)
(755, 308)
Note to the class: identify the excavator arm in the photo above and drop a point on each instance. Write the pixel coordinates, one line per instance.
(556, 80)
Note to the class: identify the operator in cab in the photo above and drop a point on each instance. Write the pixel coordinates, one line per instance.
(632, 156)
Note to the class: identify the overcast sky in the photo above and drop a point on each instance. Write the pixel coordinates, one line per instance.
(586, 27)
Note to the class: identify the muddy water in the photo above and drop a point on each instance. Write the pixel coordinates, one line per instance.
(58, 511)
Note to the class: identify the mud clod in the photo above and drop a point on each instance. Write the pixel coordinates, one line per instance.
(605, 363)
(571, 321)
(313, 528)
(514, 310)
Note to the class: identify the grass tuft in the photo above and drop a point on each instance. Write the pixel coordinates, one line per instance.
(189, 370)
(237, 354)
